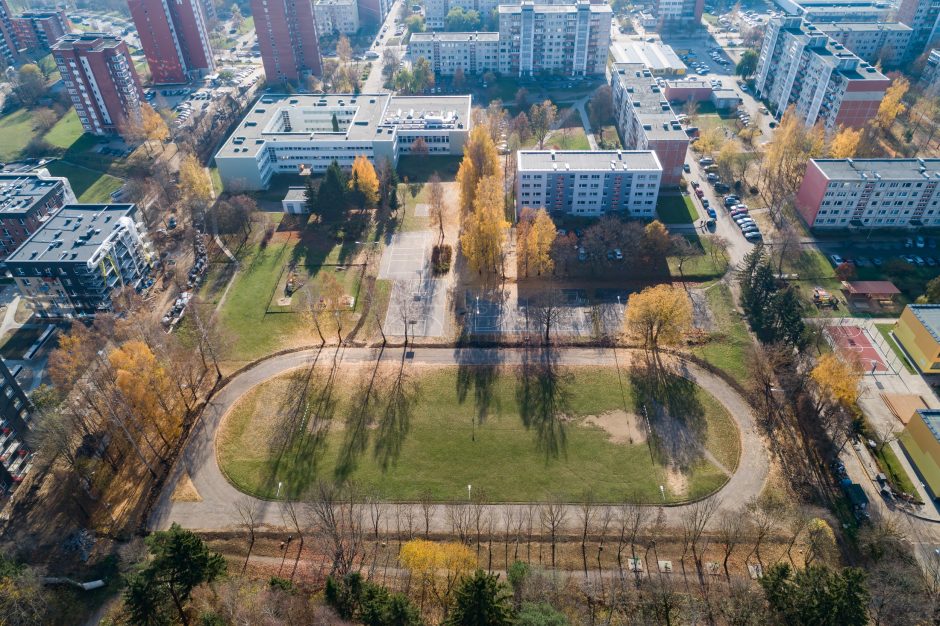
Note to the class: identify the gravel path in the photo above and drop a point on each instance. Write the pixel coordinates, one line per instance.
(217, 510)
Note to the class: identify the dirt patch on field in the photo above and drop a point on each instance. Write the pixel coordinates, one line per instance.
(620, 426)
(676, 482)
(186, 491)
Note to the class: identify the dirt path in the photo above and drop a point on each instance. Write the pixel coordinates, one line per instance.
(217, 511)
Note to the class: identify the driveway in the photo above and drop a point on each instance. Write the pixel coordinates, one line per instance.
(217, 510)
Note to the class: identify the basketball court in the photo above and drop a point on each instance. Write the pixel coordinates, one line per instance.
(850, 339)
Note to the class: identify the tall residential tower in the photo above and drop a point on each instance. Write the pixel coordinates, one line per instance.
(175, 39)
(287, 36)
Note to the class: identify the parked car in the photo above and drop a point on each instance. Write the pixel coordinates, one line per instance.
(721, 187)
(753, 236)
(686, 168)
(836, 260)
(920, 241)
(706, 161)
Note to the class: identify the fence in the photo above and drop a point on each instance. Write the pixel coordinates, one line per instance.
(873, 336)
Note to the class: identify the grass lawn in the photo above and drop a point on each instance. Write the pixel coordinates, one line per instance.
(66, 131)
(700, 267)
(568, 139)
(16, 129)
(885, 330)
(513, 435)
(895, 472)
(418, 169)
(809, 264)
(727, 346)
(90, 186)
(676, 209)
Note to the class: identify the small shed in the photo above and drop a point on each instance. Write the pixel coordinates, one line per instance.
(295, 201)
(881, 290)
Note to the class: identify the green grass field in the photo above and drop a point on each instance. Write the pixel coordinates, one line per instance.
(515, 434)
(89, 185)
(895, 472)
(676, 209)
(66, 131)
(728, 344)
(885, 331)
(16, 129)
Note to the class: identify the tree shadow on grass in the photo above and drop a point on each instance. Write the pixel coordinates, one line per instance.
(676, 414)
(543, 397)
(477, 373)
(401, 394)
(362, 411)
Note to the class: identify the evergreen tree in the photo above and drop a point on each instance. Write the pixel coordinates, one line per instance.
(331, 197)
(787, 314)
(335, 123)
(816, 596)
(481, 600)
(311, 196)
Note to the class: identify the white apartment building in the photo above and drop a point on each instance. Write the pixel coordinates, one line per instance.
(885, 42)
(826, 83)
(435, 11)
(570, 39)
(930, 77)
(298, 134)
(474, 53)
(645, 119)
(870, 193)
(336, 16)
(588, 183)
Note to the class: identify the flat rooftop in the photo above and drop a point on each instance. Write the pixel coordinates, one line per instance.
(72, 234)
(87, 41)
(655, 56)
(863, 27)
(931, 419)
(649, 102)
(294, 119)
(295, 194)
(588, 160)
(454, 37)
(887, 169)
(554, 8)
(20, 192)
(929, 316)
(831, 52)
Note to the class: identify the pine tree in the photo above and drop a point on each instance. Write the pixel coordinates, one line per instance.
(481, 600)
(331, 197)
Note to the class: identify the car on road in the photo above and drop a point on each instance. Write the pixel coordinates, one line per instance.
(372, 54)
(705, 202)
(712, 177)
(686, 168)
(711, 213)
(704, 161)
(721, 187)
(919, 261)
(699, 192)
(908, 259)
(731, 200)
(920, 241)
(738, 213)
(836, 260)
(695, 184)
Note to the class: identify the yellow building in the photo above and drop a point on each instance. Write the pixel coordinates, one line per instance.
(918, 332)
(921, 441)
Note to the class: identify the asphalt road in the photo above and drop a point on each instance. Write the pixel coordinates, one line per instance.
(217, 508)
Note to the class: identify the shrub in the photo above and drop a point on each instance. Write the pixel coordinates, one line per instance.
(441, 258)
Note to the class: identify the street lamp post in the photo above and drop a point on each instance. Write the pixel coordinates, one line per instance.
(469, 498)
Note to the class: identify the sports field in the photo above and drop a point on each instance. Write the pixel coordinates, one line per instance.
(516, 433)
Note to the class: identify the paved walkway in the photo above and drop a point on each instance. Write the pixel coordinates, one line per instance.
(586, 122)
(217, 510)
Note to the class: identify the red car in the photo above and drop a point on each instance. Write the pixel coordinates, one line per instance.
(699, 193)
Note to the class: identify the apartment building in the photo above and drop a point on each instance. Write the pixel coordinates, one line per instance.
(474, 53)
(678, 13)
(588, 183)
(174, 37)
(9, 50)
(287, 38)
(101, 80)
(336, 16)
(930, 77)
(76, 258)
(26, 201)
(923, 16)
(870, 193)
(570, 39)
(826, 83)
(884, 42)
(435, 11)
(16, 411)
(294, 134)
(645, 119)
(374, 11)
(38, 30)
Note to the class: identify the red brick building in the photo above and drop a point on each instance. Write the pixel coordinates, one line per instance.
(25, 202)
(38, 30)
(9, 51)
(174, 37)
(287, 36)
(101, 80)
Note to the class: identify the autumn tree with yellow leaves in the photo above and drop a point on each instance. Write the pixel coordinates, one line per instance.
(195, 188)
(845, 143)
(658, 316)
(535, 236)
(837, 380)
(480, 160)
(892, 105)
(484, 228)
(437, 568)
(147, 387)
(785, 160)
(363, 183)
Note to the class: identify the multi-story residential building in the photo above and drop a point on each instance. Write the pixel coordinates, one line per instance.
(287, 38)
(678, 13)
(75, 260)
(882, 42)
(435, 11)
(101, 80)
(292, 134)
(174, 37)
(870, 193)
(38, 30)
(826, 84)
(9, 50)
(588, 183)
(336, 16)
(570, 39)
(474, 53)
(923, 16)
(819, 11)
(26, 200)
(16, 411)
(930, 77)
(374, 11)
(645, 119)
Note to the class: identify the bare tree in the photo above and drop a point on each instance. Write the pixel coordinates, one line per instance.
(586, 514)
(546, 309)
(336, 517)
(427, 510)
(553, 515)
(436, 206)
(291, 512)
(509, 518)
(729, 533)
(694, 520)
(761, 525)
(248, 510)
